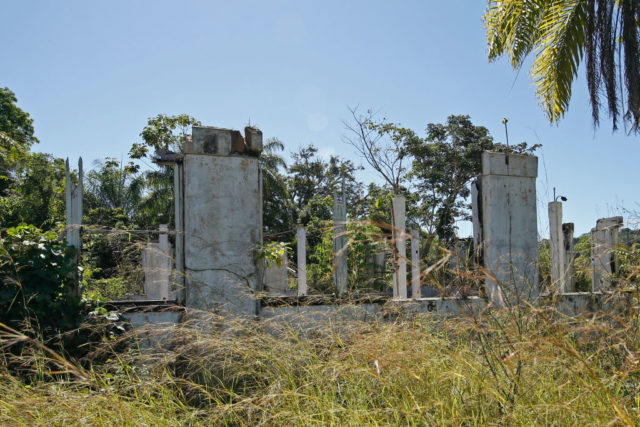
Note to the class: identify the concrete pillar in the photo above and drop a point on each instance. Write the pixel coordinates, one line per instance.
(73, 205)
(302, 261)
(157, 266)
(505, 226)
(556, 249)
(400, 247)
(569, 257)
(415, 264)
(222, 215)
(178, 200)
(340, 244)
(604, 242)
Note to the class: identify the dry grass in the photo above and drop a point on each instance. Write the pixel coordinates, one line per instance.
(520, 367)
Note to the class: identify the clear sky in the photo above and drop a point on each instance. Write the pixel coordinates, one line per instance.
(91, 73)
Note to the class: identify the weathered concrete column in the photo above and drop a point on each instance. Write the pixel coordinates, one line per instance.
(302, 261)
(505, 226)
(340, 244)
(569, 257)
(415, 264)
(604, 242)
(400, 247)
(222, 214)
(556, 249)
(178, 200)
(73, 206)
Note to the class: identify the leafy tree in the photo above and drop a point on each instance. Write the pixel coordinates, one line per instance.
(37, 282)
(311, 177)
(562, 32)
(36, 195)
(163, 132)
(16, 136)
(443, 164)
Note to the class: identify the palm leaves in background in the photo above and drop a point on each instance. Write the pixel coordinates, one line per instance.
(561, 32)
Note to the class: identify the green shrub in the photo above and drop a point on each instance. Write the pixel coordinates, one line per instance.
(38, 280)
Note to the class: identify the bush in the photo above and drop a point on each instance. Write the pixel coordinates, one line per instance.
(38, 280)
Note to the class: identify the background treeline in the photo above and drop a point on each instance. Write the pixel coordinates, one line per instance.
(433, 172)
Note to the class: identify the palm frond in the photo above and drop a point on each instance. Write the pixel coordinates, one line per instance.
(558, 54)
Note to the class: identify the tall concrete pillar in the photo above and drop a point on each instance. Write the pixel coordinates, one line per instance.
(604, 242)
(340, 244)
(400, 247)
(556, 249)
(222, 219)
(505, 227)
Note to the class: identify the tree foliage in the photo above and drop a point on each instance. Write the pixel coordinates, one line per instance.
(561, 33)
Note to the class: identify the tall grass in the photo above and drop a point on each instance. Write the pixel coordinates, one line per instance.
(520, 367)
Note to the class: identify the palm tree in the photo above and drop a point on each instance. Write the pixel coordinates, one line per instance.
(277, 202)
(561, 33)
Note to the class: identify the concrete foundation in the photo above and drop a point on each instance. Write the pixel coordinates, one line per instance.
(222, 210)
(505, 227)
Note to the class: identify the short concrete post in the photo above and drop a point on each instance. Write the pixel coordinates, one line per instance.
(276, 277)
(340, 244)
(400, 247)
(415, 264)
(505, 226)
(569, 257)
(302, 261)
(604, 242)
(556, 248)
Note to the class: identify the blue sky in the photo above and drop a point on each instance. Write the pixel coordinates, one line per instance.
(91, 73)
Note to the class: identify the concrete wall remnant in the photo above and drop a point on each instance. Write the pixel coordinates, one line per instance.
(276, 278)
(604, 242)
(221, 211)
(505, 226)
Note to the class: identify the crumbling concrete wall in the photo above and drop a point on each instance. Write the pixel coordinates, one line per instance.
(222, 208)
(604, 242)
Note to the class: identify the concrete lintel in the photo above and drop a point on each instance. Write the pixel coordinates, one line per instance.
(609, 223)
